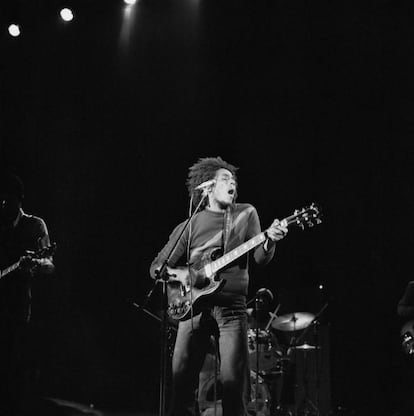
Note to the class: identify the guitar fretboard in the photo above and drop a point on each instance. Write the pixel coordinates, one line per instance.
(239, 251)
(9, 269)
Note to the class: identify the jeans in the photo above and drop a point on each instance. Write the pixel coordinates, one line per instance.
(192, 343)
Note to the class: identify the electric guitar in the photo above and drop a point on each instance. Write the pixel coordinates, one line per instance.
(39, 254)
(183, 293)
(407, 337)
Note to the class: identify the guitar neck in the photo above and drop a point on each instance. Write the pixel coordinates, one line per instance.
(9, 269)
(239, 251)
(234, 254)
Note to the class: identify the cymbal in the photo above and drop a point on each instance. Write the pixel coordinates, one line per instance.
(305, 346)
(293, 321)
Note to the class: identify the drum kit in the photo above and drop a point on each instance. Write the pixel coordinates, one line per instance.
(273, 352)
(266, 352)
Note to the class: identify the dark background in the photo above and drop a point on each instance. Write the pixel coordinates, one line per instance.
(313, 100)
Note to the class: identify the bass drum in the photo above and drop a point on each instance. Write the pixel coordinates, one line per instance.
(206, 396)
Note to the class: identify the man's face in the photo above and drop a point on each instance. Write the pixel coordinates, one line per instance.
(224, 190)
(9, 208)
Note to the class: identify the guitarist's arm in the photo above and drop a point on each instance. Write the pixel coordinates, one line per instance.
(265, 252)
(178, 253)
(40, 265)
(44, 265)
(275, 232)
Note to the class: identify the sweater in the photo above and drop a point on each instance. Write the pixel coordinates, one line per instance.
(207, 233)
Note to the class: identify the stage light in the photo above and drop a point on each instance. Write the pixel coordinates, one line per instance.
(320, 287)
(130, 2)
(14, 30)
(66, 14)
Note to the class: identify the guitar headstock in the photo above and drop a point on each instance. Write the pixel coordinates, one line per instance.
(306, 217)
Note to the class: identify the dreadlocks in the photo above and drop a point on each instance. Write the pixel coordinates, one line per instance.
(204, 170)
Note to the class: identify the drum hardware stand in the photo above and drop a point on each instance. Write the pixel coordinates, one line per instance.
(313, 322)
(273, 315)
(310, 408)
(294, 343)
(162, 277)
(257, 300)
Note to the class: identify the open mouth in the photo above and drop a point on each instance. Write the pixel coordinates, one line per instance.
(231, 192)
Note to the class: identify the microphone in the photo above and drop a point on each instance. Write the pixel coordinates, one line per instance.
(262, 293)
(206, 184)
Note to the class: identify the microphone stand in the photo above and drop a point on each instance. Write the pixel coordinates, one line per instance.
(256, 301)
(162, 277)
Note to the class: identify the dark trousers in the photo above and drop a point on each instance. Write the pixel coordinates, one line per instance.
(192, 343)
(15, 361)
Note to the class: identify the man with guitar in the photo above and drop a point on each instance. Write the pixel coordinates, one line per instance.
(209, 295)
(22, 238)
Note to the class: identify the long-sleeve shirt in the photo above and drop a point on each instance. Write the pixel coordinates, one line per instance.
(206, 234)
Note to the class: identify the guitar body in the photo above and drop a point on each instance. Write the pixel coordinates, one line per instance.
(39, 254)
(183, 297)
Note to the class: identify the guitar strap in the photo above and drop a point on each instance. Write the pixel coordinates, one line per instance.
(228, 220)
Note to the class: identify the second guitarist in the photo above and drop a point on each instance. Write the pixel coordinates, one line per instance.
(221, 224)
(19, 232)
